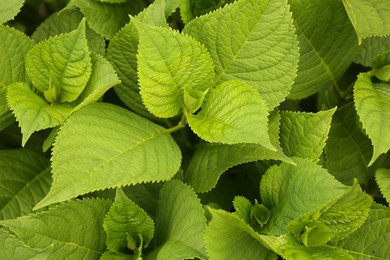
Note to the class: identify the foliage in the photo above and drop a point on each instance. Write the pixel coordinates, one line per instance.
(193, 129)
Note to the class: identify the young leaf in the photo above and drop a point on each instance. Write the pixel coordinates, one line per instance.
(327, 44)
(347, 149)
(303, 180)
(234, 113)
(122, 52)
(381, 66)
(382, 177)
(229, 237)
(125, 219)
(107, 19)
(33, 112)
(13, 48)
(189, 9)
(371, 240)
(372, 103)
(15, 249)
(171, 68)
(74, 229)
(24, 180)
(243, 208)
(9, 9)
(61, 63)
(370, 18)
(180, 221)
(65, 22)
(304, 134)
(111, 146)
(263, 51)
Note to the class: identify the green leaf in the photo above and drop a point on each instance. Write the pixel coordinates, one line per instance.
(112, 146)
(381, 66)
(211, 160)
(24, 180)
(327, 44)
(189, 9)
(263, 51)
(371, 48)
(104, 18)
(243, 208)
(173, 69)
(372, 103)
(382, 177)
(122, 52)
(228, 237)
(74, 229)
(103, 77)
(65, 22)
(112, 1)
(347, 149)
(370, 18)
(13, 248)
(13, 48)
(259, 214)
(303, 180)
(125, 219)
(234, 113)
(174, 250)
(304, 134)
(9, 9)
(334, 221)
(33, 112)
(371, 240)
(180, 221)
(62, 63)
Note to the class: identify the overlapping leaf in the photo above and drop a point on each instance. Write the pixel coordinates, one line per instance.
(372, 103)
(304, 134)
(122, 53)
(102, 146)
(370, 18)
(211, 160)
(234, 113)
(74, 229)
(327, 44)
(13, 48)
(263, 51)
(107, 19)
(180, 223)
(382, 177)
(9, 9)
(33, 112)
(24, 180)
(371, 48)
(174, 71)
(347, 149)
(61, 66)
(189, 9)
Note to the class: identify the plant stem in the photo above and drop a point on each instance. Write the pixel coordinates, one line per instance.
(182, 123)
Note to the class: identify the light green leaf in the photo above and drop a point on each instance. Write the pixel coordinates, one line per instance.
(180, 217)
(13, 248)
(13, 48)
(61, 63)
(327, 44)
(33, 112)
(65, 22)
(381, 66)
(125, 219)
(170, 6)
(9, 9)
(189, 9)
(122, 52)
(263, 51)
(234, 113)
(107, 19)
(211, 160)
(372, 103)
(103, 77)
(371, 241)
(174, 250)
(371, 48)
(312, 186)
(171, 68)
(370, 18)
(243, 208)
(334, 221)
(347, 149)
(74, 229)
(304, 134)
(112, 146)
(24, 180)
(228, 237)
(382, 177)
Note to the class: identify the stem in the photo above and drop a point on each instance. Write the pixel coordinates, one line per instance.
(180, 125)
